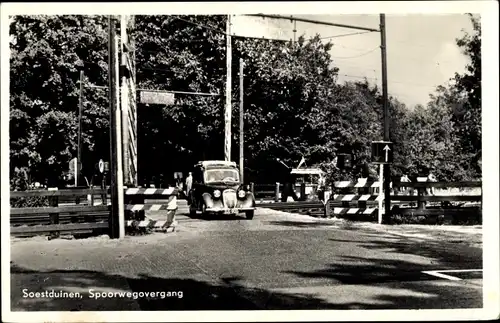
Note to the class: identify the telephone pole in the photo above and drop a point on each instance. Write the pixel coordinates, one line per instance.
(386, 167)
(117, 219)
(241, 119)
(227, 112)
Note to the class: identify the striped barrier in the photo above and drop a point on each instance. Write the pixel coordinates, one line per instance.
(152, 191)
(344, 200)
(153, 207)
(157, 225)
(136, 208)
(354, 197)
(357, 184)
(342, 211)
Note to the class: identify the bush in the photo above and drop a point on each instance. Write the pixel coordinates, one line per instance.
(32, 201)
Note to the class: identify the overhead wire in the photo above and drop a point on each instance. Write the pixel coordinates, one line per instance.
(361, 55)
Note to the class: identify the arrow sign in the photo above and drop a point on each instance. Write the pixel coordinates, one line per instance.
(382, 152)
(386, 148)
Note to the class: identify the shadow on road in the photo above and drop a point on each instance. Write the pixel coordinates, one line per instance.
(399, 267)
(196, 295)
(215, 217)
(300, 224)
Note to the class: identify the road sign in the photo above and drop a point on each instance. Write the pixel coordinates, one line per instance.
(101, 166)
(344, 161)
(157, 97)
(74, 164)
(382, 152)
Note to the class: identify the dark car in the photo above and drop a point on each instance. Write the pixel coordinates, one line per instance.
(217, 189)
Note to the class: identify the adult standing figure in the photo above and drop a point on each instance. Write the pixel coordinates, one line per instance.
(189, 183)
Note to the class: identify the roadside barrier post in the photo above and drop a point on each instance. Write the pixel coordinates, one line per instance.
(303, 191)
(277, 192)
(381, 193)
(54, 217)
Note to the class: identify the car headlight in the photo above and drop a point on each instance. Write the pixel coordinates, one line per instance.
(216, 193)
(241, 194)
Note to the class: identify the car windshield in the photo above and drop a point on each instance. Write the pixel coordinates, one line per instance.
(221, 175)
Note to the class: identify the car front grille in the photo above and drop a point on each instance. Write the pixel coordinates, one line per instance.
(229, 198)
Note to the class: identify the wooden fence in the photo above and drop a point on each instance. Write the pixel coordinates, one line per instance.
(87, 210)
(54, 219)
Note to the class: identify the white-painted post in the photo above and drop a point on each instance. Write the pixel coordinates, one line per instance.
(76, 171)
(381, 193)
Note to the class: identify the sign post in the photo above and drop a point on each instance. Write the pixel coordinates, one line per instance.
(75, 167)
(381, 210)
(382, 154)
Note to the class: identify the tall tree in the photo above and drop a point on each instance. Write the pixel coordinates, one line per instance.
(468, 86)
(47, 54)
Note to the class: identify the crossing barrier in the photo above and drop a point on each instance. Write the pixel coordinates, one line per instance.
(135, 206)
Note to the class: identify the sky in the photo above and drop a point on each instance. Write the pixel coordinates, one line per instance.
(421, 49)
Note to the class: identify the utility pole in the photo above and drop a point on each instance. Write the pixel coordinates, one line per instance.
(386, 168)
(124, 100)
(227, 112)
(294, 29)
(241, 120)
(80, 112)
(117, 223)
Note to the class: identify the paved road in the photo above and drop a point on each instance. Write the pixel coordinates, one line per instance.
(275, 261)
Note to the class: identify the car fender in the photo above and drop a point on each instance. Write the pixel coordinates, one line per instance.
(207, 198)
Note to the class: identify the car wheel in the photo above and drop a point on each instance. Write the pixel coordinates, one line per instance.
(249, 215)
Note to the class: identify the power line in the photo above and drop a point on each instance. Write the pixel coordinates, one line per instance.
(364, 54)
(317, 22)
(391, 82)
(201, 25)
(345, 35)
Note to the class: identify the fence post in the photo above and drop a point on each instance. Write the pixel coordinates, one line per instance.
(252, 188)
(105, 192)
(302, 191)
(54, 217)
(277, 192)
(327, 208)
(420, 192)
(362, 191)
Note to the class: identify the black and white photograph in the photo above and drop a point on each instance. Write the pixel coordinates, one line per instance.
(190, 161)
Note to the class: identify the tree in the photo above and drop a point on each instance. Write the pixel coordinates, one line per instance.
(461, 102)
(468, 85)
(47, 53)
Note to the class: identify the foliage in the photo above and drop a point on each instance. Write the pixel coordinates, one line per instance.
(293, 105)
(468, 85)
(462, 100)
(47, 54)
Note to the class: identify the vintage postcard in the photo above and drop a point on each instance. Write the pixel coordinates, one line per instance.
(249, 161)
